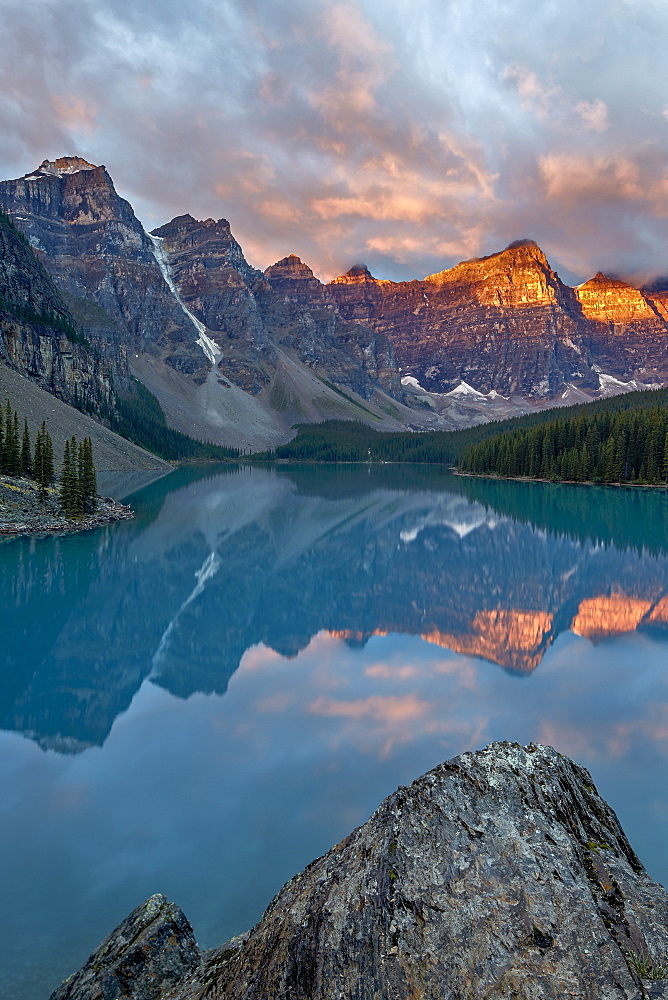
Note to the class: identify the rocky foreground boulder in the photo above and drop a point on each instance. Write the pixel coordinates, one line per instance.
(499, 874)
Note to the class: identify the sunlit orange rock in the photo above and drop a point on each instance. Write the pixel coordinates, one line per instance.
(350, 635)
(608, 300)
(600, 617)
(506, 322)
(511, 638)
(659, 615)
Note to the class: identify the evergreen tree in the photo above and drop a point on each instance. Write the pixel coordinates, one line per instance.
(38, 460)
(43, 471)
(87, 476)
(49, 470)
(26, 456)
(78, 482)
(68, 480)
(12, 447)
(16, 446)
(598, 446)
(77, 495)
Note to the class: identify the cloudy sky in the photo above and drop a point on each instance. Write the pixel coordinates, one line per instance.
(407, 134)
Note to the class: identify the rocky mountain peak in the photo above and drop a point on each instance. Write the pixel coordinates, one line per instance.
(520, 262)
(192, 242)
(518, 253)
(69, 191)
(289, 267)
(184, 224)
(62, 165)
(609, 299)
(357, 275)
(603, 279)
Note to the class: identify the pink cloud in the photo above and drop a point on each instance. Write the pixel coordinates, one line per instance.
(388, 710)
(594, 114)
(386, 671)
(75, 113)
(411, 136)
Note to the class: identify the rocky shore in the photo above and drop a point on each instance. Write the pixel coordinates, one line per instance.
(25, 510)
(500, 874)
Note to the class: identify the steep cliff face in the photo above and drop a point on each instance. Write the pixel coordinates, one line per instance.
(501, 873)
(303, 315)
(215, 283)
(628, 328)
(102, 260)
(508, 323)
(38, 336)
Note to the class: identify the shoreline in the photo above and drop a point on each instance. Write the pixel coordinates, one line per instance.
(24, 510)
(562, 482)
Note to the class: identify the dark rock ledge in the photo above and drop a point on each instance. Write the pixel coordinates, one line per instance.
(499, 874)
(25, 511)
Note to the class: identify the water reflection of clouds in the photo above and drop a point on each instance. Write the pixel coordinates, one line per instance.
(239, 792)
(399, 699)
(388, 671)
(588, 713)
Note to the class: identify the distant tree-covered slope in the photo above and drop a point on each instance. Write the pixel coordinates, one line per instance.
(627, 446)
(350, 441)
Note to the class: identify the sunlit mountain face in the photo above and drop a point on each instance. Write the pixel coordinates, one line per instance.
(235, 559)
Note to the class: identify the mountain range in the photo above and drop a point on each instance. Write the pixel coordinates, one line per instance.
(238, 356)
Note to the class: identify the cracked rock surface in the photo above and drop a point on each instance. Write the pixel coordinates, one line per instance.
(499, 874)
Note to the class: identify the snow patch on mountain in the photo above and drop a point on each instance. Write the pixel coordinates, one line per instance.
(409, 380)
(464, 389)
(207, 570)
(63, 165)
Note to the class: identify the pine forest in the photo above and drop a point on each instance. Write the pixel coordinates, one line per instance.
(621, 447)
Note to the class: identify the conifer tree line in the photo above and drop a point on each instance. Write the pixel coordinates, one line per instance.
(622, 447)
(17, 457)
(78, 485)
(78, 482)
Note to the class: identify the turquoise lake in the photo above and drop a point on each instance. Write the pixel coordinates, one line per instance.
(203, 699)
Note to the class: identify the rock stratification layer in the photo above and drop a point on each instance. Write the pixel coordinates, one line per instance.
(38, 337)
(501, 873)
(507, 323)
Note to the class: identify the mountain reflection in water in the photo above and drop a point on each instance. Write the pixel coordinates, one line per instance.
(361, 618)
(248, 556)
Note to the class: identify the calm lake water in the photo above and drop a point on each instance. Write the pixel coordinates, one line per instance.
(202, 700)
